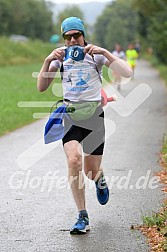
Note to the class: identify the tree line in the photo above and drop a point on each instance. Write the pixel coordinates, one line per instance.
(31, 18)
(122, 21)
(129, 21)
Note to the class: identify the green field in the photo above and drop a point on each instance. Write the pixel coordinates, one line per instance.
(17, 53)
(17, 84)
(17, 63)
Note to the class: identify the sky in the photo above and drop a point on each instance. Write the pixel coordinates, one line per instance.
(77, 1)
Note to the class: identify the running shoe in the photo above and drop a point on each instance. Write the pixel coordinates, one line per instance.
(81, 226)
(102, 190)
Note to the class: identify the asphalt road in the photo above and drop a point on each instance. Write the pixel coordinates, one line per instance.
(37, 208)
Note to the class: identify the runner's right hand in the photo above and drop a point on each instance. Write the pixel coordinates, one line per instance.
(56, 54)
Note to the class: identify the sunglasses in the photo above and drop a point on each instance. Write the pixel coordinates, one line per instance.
(74, 35)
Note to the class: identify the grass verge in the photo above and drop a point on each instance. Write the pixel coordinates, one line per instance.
(158, 65)
(16, 53)
(155, 227)
(17, 84)
(18, 61)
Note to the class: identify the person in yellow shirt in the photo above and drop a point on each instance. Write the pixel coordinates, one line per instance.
(131, 56)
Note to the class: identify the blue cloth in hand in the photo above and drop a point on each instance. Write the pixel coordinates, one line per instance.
(54, 129)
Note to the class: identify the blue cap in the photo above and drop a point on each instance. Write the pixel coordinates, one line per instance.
(72, 23)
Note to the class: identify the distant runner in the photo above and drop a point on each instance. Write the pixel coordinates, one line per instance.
(131, 55)
(121, 55)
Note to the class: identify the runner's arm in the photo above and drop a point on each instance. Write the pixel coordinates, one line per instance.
(118, 65)
(47, 72)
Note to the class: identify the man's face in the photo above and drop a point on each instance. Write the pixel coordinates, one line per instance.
(73, 37)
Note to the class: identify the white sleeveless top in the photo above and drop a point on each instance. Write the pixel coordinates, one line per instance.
(82, 79)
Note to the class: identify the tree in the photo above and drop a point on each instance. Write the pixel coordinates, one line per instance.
(29, 17)
(117, 24)
(153, 25)
(5, 15)
(100, 27)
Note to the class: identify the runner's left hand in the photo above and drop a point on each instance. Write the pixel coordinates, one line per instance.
(93, 49)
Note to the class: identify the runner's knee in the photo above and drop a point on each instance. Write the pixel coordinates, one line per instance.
(74, 162)
(93, 175)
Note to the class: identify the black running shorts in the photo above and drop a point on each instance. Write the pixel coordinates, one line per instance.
(90, 133)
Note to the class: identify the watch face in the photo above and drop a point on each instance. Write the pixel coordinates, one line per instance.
(75, 53)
